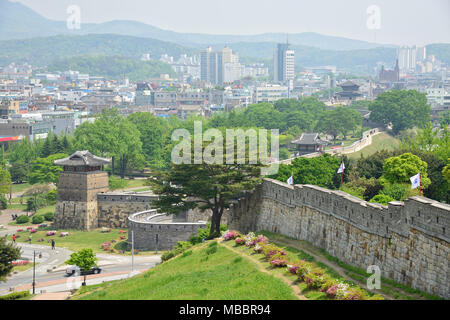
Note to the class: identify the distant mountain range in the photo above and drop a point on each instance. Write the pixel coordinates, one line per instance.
(26, 36)
(20, 22)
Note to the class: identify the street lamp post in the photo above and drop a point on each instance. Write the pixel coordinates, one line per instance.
(34, 270)
(132, 250)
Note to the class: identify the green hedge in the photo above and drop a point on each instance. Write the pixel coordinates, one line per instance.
(22, 219)
(15, 295)
(37, 219)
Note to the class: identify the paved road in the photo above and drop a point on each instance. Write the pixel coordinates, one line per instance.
(53, 260)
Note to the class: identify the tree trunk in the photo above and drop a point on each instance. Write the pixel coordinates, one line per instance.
(213, 223)
(112, 165)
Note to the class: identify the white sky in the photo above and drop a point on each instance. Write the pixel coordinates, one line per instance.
(401, 21)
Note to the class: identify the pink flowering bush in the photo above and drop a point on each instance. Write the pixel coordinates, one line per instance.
(240, 241)
(106, 246)
(292, 268)
(277, 263)
(19, 230)
(33, 231)
(64, 234)
(230, 235)
(331, 292)
(257, 249)
(50, 233)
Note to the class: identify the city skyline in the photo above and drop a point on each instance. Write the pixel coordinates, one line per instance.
(400, 23)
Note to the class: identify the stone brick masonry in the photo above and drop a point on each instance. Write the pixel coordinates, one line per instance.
(408, 240)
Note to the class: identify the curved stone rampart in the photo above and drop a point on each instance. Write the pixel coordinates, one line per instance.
(153, 231)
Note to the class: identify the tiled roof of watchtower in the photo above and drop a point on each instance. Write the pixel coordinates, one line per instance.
(309, 138)
(82, 158)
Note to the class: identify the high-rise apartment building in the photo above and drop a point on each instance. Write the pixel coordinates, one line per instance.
(284, 64)
(218, 67)
(409, 57)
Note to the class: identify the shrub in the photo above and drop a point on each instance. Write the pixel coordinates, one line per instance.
(37, 219)
(22, 219)
(203, 233)
(3, 202)
(167, 255)
(277, 263)
(15, 295)
(51, 196)
(49, 216)
(230, 235)
(35, 204)
(314, 281)
(381, 198)
(211, 250)
(240, 241)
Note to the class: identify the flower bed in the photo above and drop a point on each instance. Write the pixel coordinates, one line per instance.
(64, 234)
(50, 233)
(313, 276)
(20, 263)
(230, 235)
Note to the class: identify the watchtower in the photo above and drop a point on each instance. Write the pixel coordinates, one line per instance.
(79, 183)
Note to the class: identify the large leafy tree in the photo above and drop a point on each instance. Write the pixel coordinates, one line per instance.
(114, 136)
(400, 169)
(18, 171)
(154, 134)
(5, 181)
(320, 171)
(43, 170)
(205, 186)
(340, 120)
(402, 109)
(8, 253)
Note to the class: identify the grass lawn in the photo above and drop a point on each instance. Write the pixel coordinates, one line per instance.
(202, 273)
(40, 211)
(382, 141)
(135, 183)
(19, 187)
(78, 240)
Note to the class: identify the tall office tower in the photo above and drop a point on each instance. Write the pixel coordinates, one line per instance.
(283, 62)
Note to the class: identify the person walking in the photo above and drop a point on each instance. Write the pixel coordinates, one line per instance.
(14, 238)
(53, 244)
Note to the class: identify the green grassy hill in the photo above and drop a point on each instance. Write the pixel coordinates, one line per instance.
(203, 273)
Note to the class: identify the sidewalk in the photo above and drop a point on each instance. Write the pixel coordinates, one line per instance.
(51, 288)
(63, 295)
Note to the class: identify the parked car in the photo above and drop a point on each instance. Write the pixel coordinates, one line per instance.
(71, 270)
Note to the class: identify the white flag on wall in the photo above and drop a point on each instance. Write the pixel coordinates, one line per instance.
(415, 181)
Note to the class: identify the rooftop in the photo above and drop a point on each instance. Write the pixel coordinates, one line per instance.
(82, 158)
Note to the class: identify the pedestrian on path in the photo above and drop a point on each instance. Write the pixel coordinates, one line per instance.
(14, 238)
(53, 244)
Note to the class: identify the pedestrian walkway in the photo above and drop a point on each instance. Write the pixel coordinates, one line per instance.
(64, 284)
(62, 295)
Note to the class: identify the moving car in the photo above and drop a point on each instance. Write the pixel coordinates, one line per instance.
(71, 270)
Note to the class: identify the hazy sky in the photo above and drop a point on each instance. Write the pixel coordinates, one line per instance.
(400, 21)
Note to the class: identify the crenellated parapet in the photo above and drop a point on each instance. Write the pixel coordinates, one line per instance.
(408, 240)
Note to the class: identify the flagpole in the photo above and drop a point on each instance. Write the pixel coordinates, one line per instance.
(420, 184)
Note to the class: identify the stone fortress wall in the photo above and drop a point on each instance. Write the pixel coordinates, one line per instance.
(408, 240)
(114, 208)
(153, 231)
